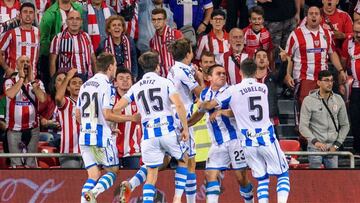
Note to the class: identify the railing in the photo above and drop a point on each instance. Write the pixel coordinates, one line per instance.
(305, 153)
(299, 153)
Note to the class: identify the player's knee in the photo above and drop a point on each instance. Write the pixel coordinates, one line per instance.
(211, 175)
(114, 169)
(94, 173)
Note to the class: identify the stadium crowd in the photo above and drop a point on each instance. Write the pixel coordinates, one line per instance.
(48, 49)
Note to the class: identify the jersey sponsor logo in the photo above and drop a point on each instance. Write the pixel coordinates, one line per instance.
(23, 103)
(89, 131)
(255, 135)
(91, 83)
(28, 44)
(315, 50)
(355, 57)
(157, 125)
(182, 2)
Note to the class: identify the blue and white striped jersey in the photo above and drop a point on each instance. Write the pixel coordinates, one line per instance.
(249, 102)
(96, 95)
(183, 78)
(224, 128)
(152, 96)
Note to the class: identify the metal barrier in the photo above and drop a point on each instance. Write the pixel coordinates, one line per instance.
(305, 153)
(299, 153)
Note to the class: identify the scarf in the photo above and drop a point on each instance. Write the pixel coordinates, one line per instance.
(93, 27)
(63, 18)
(125, 43)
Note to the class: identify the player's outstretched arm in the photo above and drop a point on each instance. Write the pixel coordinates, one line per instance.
(109, 115)
(196, 117)
(180, 110)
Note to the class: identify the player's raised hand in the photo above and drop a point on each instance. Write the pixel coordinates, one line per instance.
(70, 74)
(283, 55)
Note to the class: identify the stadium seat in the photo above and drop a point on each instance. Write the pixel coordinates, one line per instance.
(292, 146)
(47, 162)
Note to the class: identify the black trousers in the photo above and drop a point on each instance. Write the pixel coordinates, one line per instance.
(354, 110)
(233, 6)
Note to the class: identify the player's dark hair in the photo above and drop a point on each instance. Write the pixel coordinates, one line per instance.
(124, 70)
(103, 61)
(27, 4)
(211, 68)
(180, 48)
(259, 50)
(208, 54)
(248, 68)
(256, 9)
(159, 11)
(323, 74)
(218, 12)
(149, 61)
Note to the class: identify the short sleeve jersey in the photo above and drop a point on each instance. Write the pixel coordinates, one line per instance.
(249, 103)
(152, 96)
(96, 95)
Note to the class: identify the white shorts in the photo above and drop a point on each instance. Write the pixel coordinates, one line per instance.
(266, 160)
(191, 141)
(221, 156)
(100, 156)
(154, 149)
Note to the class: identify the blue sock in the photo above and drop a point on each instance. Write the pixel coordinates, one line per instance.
(104, 183)
(247, 193)
(138, 178)
(88, 185)
(190, 188)
(148, 193)
(180, 180)
(263, 190)
(212, 192)
(283, 187)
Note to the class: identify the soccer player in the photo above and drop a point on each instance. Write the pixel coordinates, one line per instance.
(261, 148)
(154, 96)
(226, 148)
(183, 77)
(70, 129)
(93, 112)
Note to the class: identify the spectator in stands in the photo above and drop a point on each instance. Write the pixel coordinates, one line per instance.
(324, 121)
(237, 11)
(128, 138)
(23, 94)
(232, 59)
(94, 17)
(350, 52)
(193, 12)
(23, 40)
(357, 11)
(281, 17)
(217, 40)
(70, 127)
(270, 79)
(9, 9)
(309, 46)
(207, 59)
(52, 23)
(119, 44)
(163, 37)
(256, 35)
(72, 48)
(146, 28)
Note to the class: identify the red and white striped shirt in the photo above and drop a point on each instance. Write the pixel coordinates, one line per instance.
(73, 51)
(133, 24)
(7, 13)
(211, 43)
(254, 41)
(231, 63)
(160, 44)
(21, 114)
(309, 51)
(129, 137)
(351, 50)
(18, 42)
(70, 129)
(41, 6)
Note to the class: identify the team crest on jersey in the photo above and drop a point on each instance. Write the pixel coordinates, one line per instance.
(317, 43)
(134, 108)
